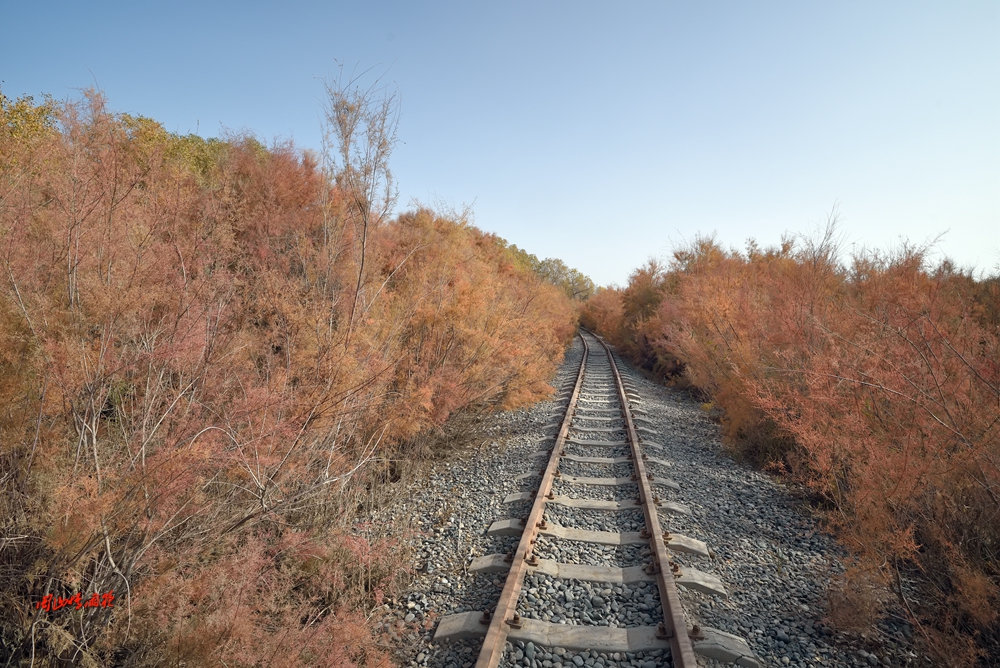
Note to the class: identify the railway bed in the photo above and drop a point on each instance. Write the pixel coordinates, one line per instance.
(600, 484)
(769, 549)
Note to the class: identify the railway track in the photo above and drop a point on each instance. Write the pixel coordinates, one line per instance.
(599, 451)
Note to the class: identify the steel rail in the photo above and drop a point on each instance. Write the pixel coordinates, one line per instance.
(674, 626)
(505, 614)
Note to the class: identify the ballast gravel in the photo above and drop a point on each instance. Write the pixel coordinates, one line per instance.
(589, 554)
(595, 520)
(588, 470)
(596, 450)
(590, 603)
(768, 549)
(625, 492)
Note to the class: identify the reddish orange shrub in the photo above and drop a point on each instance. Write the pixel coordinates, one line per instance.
(603, 313)
(186, 420)
(878, 385)
(630, 318)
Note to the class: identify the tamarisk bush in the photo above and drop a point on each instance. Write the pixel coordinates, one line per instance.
(875, 382)
(201, 386)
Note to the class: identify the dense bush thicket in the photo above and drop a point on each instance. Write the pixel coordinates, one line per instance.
(205, 361)
(875, 381)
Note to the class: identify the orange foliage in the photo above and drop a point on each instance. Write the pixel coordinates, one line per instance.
(603, 313)
(185, 419)
(877, 384)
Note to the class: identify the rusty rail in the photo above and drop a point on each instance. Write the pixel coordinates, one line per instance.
(505, 614)
(674, 626)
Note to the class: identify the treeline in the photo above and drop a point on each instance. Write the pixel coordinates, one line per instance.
(875, 381)
(573, 282)
(210, 352)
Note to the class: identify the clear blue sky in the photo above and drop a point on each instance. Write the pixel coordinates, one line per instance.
(596, 132)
